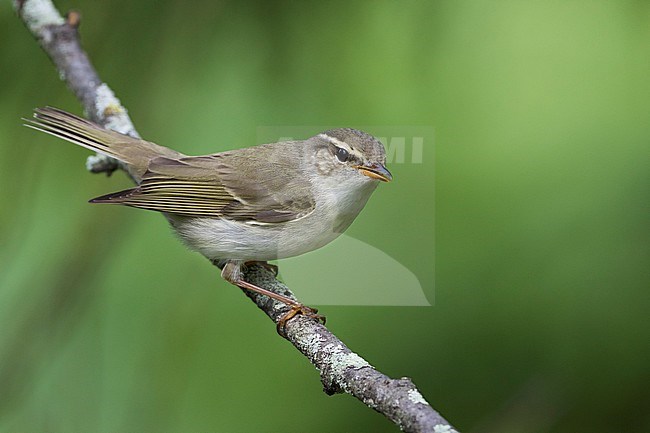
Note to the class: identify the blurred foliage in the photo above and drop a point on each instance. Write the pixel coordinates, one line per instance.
(540, 320)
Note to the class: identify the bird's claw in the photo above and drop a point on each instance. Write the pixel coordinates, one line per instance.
(296, 309)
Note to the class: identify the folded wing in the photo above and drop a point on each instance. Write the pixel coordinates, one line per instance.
(233, 185)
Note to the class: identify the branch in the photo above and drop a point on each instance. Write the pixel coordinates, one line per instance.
(341, 369)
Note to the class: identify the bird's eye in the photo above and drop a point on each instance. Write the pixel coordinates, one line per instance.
(342, 154)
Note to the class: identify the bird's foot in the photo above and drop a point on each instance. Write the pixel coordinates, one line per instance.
(296, 309)
(232, 273)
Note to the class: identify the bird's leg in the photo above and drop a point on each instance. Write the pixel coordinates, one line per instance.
(232, 273)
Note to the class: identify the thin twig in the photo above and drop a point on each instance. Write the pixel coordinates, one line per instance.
(341, 369)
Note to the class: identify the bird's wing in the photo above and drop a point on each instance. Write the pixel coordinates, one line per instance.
(233, 185)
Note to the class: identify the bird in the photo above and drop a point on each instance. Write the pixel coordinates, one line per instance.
(246, 205)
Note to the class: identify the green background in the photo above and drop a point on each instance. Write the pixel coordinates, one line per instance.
(536, 193)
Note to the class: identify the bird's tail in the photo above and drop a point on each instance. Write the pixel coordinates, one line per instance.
(132, 151)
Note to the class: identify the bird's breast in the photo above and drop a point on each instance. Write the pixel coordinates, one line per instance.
(218, 238)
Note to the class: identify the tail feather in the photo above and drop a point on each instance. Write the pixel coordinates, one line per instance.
(132, 151)
(78, 131)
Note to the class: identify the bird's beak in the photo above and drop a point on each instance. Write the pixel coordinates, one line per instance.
(375, 171)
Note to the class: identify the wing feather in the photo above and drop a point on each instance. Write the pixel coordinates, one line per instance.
(211, 187)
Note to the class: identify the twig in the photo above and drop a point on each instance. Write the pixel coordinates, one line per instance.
(341, 370)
